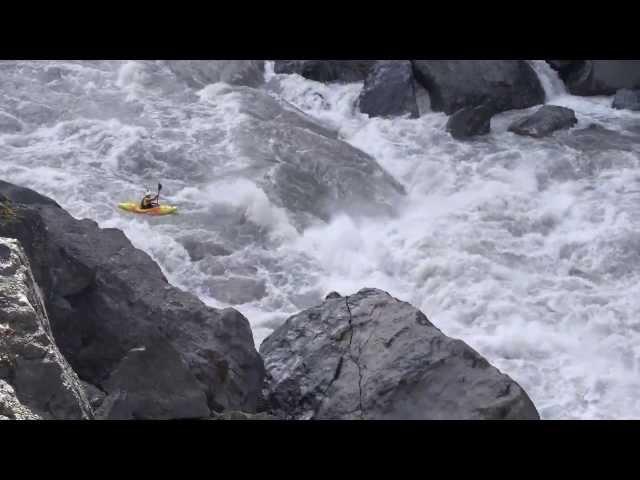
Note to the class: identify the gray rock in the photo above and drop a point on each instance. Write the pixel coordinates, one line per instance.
(389, 90)
(10, 406)
(455, 84)
(371, 356)
(199, 73)
(236, 290)
(470, 122)
(129, 303)
(199, 249)
(601, 77)
(627, 99)
(343, 71)
(301, 165)
(153, 382)
(544, 121)
(30, 361)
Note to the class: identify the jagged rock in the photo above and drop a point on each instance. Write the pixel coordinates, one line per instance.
(456, 84)
(128, 303)
(470, 122)
(30, 362)
(627, 99)
(371, 356)
(198, 73)
(326, 70)
(389, 90)
(153, 382)
(236, 290)
(544, 121)
(596, 138)
(601, 77)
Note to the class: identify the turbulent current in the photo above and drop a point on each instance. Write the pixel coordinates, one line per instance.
(527, 249)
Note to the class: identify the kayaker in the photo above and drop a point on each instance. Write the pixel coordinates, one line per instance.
(149, 200)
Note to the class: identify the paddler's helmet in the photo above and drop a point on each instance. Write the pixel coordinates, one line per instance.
(148, 192)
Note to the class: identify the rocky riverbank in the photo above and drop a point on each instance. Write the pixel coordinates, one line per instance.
(90, 328)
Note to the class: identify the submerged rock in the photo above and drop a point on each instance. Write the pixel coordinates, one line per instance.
(198, 73)
(544, 121)
(371, 356)
(301, 165)
(627, 99)
(470, 122)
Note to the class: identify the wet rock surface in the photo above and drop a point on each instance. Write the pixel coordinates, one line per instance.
(371, 356)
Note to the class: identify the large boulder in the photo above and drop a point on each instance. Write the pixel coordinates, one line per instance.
(600, 77)
(106, 297)
(343, 71)
(544, 121)
(470, 122)
(301, 165)
(371, 356)
(198, 73)
(627, 99)
(30, 362)
(455, 84)
(153, 382)
(389, 90)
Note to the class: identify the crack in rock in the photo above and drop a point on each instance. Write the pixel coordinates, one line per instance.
(355, 361)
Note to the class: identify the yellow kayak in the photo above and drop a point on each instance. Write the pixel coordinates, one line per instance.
(135, 208)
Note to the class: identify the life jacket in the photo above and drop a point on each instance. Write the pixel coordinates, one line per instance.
(146, 202)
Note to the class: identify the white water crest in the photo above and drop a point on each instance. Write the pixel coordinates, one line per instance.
(527, 249)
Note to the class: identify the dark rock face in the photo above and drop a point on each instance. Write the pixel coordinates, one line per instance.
(601, 77)
(106, 297)
(199, 249)
(153, 383)
(343, 71)
(198, 73)
(30, 362)
(389, 90)
(627, 99)
(370, 356)
(470, 122)
(544, 121)
(456, 84)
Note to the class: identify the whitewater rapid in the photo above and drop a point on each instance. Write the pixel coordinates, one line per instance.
(526, 249)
